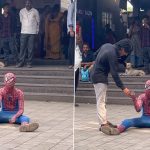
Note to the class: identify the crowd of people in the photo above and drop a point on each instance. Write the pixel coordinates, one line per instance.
(139, 33)
(28, 32)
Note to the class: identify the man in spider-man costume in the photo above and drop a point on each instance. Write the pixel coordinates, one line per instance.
(12, 104)
(142, 102)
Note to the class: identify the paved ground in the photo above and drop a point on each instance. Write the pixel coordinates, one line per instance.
(55, 132)
(87, 136)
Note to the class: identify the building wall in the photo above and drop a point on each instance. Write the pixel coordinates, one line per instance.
(64, 4)
(97, 7)
(36, 3)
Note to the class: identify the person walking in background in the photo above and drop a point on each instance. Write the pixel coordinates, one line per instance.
(145, 42)
(7, 34)
(134, 34)
(29, 18)
(53, 33)
(71, 31)
(106, 62)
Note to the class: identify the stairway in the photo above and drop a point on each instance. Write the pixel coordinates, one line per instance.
(85, 92)
(44, 83)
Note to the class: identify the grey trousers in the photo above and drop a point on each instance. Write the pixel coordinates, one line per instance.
(100, 91)
(26, 48)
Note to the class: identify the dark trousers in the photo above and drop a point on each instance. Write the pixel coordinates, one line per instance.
(71, 51)
(26, 48)
(76, 79)
(8, 44)
(146, 55)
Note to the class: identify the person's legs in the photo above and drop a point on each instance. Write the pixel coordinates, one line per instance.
(149, 60)
(23, 48)
(4, 42)
(13, 49)
(146, 59)
(26, 126)
(100, 91)
(30, 49)
(142, 122)
(76, 83)
(71, 51)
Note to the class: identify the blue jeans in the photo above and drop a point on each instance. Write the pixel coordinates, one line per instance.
(5, 116)
(9, 44)
(141, 122)
(146, 54)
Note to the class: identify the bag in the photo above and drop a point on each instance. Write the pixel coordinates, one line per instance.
(85, 76)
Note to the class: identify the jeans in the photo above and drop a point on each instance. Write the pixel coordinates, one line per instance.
(71, 51)
(141, 122)
(5, 116)
(8, 44)
(26, 48)
(146, 54)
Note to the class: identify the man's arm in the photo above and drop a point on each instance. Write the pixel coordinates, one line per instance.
(21, 16)
(70, 19)
(114, 70)
(21, 104)
(37, 17)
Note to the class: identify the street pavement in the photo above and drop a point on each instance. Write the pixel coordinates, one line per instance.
(87, 136)
(55, 131)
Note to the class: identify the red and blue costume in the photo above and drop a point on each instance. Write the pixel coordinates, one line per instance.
(142, 102)
(12, 105)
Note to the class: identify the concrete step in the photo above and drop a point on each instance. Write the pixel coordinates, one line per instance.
(45, 88)
(111, 92)
(39, 71)
(110, 100)
(132, 78)
(49, 97)
(112, 85)
(43, 79)
(40, 61)
(49, 62)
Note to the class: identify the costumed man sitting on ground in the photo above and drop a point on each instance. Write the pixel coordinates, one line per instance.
(12, 103)
(142, 102)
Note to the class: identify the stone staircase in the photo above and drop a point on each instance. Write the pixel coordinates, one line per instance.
(44, 83)
(85, 92)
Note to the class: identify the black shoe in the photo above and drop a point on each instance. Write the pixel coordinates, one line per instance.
(19, 65)
(29, 66)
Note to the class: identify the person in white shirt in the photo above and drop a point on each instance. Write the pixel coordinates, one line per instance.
(30, 20)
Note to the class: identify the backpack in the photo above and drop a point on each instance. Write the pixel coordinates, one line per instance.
(85, 75)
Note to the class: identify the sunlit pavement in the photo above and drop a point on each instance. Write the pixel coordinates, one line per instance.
(87, 136)
(55, 131)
